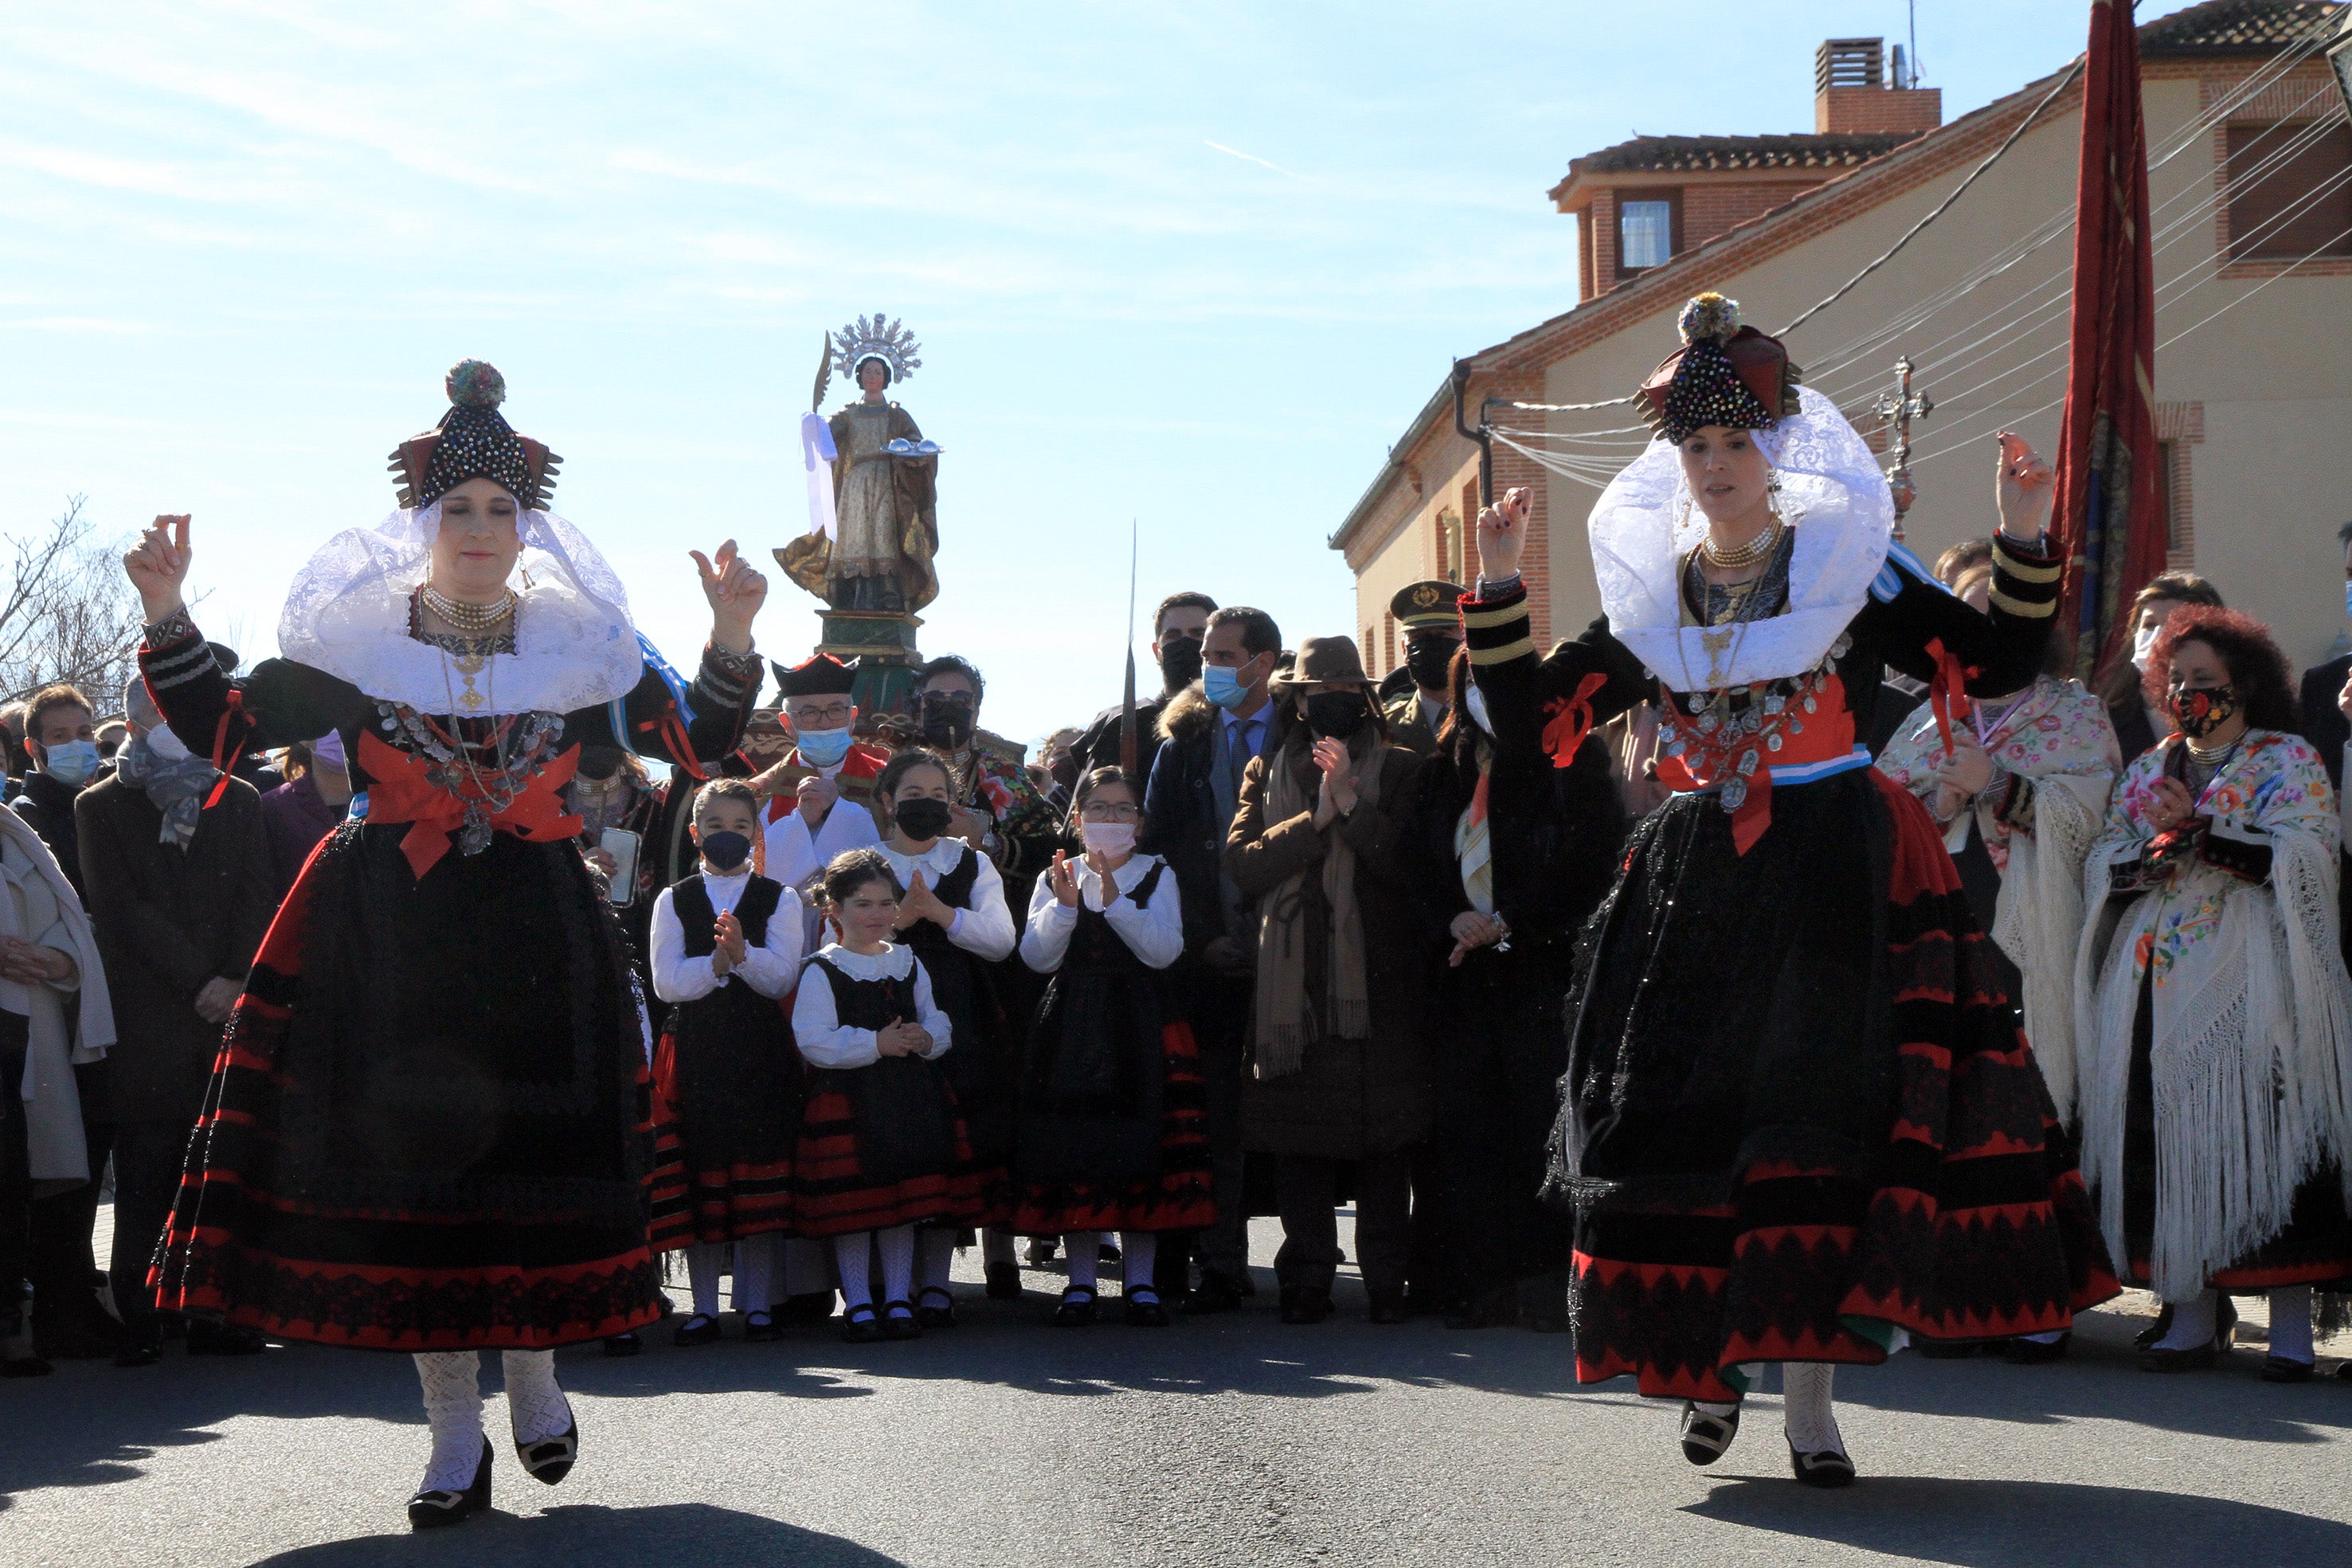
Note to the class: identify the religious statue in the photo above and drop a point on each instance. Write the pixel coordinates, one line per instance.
(873, 530)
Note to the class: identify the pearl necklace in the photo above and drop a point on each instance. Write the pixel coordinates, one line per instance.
(474, 619)
(1758, 548)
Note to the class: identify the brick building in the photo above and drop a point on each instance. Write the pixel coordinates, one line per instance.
(2251, 192)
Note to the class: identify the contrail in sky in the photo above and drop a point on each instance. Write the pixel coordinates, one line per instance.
(1248, 158)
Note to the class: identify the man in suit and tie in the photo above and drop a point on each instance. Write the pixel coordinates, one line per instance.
(1209, 732)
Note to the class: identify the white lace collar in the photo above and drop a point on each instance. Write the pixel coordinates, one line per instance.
(939, 860)
(893, 963)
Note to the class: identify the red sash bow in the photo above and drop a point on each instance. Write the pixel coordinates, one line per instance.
(1571, 720)
(1948, 694)
(400, 790)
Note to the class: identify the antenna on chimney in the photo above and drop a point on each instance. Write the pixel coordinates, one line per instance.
(1911, 7)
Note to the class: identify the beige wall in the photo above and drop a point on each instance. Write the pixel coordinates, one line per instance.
(1404, 552)
(2272, 378)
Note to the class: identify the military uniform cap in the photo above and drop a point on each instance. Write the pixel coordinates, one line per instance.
(1423, 606)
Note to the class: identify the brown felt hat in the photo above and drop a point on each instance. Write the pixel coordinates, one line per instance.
(1323, 660)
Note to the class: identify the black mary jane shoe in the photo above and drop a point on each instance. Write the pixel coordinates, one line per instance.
(2037, 1352)
(1004, 1281)
(759, 1328)
(1077, 1309)
(1304, 1303)
(2145, 1339)
(2196, 1358)
(2286, 1369)
(1142, 1309)
(898, 1321)
(861, 1325)
(697, 1330)
(436, 1508)
(1827, 1469)
(1705, 1436)
(942, 1316)
(620, 1347)
(549, 1459)
(2225, 1325)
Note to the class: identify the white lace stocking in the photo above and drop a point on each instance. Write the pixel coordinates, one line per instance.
(1805, 1398)
(453, 1409)
(535, 1404)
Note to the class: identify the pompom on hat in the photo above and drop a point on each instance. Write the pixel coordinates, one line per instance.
(474, 440)
(1725, 373)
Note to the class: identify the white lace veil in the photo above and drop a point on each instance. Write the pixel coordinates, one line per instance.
(1645, 525)
(575, 646)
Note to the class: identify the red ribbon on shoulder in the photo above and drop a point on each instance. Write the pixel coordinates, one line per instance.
(232, 710)
(1948, 694)
(400, 790)
(673, 736)
(1571, 720)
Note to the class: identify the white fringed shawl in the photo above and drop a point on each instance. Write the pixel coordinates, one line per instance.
(2252, 1057)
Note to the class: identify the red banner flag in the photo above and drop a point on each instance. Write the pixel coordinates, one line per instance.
(2106, 508)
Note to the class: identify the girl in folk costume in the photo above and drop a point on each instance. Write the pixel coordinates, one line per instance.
(882, 1148)
(954, 917)
(1109, 1135)
(1510, 853)
(2019, 783)
(2213, 1021)
(427, 1129)
(727, 1082)
(1800, 1119)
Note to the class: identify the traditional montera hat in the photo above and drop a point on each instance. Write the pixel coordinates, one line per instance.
(474, 440)
(1430, 606)
(1724, 374)
(820, 675)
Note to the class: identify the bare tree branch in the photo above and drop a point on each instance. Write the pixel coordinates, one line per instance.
(66, 612)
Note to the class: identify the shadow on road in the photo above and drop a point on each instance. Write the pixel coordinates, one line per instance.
(1995, 1523)
(708, 1536)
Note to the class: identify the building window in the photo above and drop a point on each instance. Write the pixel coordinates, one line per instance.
(1449, 546)
(1371, 655)
(2288, 193)
(2167, 470)
(1649, 229)
(1388, 641)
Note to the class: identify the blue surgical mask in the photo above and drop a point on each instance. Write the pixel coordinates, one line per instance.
(1224, 686)
(824, 748)
(70, 762)
(2347, 596)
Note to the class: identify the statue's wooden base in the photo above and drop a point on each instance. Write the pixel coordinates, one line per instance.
(883, 641)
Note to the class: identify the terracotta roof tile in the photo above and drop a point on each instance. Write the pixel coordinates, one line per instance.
(1685, 154)
(2232, 27)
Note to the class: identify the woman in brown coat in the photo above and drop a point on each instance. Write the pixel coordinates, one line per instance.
(1336, 1070)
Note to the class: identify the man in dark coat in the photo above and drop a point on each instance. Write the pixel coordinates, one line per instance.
(1177, 628)
(61, 739)
(1209, 733)
(182, 894)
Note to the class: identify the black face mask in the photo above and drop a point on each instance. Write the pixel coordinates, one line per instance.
(598, 763)
(725, 851)
(947, 725)
(923, 818)
(1430, 660)
(1337, 715)
(1180, 662)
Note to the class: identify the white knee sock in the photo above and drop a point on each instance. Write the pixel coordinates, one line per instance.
(2193, 1322)
(854, 1255)
(1084, 1249)
(996, 1246)
(536, 1406)
(1140, 1250)
(755, 1273)
(1805, 1400)
(453, 1409)
(897, 1248)
(938, 1246)
(2291, 1323)
(705, 1260)
(1708, 1407)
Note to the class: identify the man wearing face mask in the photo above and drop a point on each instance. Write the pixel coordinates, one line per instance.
(1432, 632)
(998, 808)
(1177, 628)
(61, 735)
(821, 796)
(2323, 724)
(1209, 734)
(180, 897)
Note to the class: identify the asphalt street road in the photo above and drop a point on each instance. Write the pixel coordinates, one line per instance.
(1228, 1440)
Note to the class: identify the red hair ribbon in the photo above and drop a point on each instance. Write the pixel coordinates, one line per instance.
(234, 709)
(1571, 720)
(1948, 694)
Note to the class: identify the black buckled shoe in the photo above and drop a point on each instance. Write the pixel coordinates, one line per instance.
(1216, 1292)
(939, 1316)
(898, 1321)
(1306, 1303)
(1004, 1281)
(433, 1509)
(1827, 1469)
(1705, 1436)
(2286, 1369)
(697, 1330)
(1077, 1308)
(551, 1459)
(1143, 1309)
(760, 1328)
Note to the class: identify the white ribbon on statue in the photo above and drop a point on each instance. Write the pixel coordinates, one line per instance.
(816, 455)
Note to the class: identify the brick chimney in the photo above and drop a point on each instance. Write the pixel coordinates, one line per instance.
(1851, 94)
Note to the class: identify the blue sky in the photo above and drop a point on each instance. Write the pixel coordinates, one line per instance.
(1191, 265)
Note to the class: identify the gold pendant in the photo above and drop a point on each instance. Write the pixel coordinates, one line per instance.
(1715, 643)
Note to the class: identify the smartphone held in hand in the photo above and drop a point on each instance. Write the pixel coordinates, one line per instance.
(622, 846)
